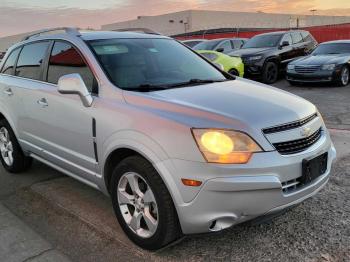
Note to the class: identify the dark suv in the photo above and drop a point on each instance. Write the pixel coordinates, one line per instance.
(266, 55)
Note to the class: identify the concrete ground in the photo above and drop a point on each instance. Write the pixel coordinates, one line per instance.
(78, 221)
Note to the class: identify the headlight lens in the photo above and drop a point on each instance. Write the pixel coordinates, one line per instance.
(254, 58)
(225, 146)
(328, 67)
(291, 67)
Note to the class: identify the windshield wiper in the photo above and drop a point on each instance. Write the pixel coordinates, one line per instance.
(146, 88)
(197, 82)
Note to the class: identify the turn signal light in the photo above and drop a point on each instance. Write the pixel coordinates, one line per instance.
(190, 182)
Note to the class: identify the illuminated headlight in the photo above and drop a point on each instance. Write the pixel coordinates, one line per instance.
(225, 146)
(254, 58)
(328, 67)
(291, 67)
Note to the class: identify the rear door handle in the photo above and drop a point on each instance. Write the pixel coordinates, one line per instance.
(8, 92)
(43, 102)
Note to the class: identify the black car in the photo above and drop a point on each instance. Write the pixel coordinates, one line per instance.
(266, 55)
(329, 62)
(223, 45)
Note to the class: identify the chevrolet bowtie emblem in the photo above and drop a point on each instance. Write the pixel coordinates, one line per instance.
(305, 131)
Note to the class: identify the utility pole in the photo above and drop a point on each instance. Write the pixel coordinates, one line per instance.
(313, 11)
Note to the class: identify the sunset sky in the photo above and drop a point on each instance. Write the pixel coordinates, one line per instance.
(17, 16)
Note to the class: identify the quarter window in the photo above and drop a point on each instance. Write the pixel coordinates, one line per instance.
(30, 60)
(64, 60)
(10, 62)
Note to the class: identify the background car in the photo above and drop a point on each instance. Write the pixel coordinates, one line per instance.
(266, 55)
(231, 65)
(192, 42)
(223, 45)
(329, 62)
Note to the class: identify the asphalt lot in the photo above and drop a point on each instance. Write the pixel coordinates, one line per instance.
(79, 221)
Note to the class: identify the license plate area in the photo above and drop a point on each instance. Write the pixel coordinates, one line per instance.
(313, 168)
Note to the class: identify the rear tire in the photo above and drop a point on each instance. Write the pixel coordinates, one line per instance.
(344, 76)
(270, 73)
(11, 154)
(162, 227)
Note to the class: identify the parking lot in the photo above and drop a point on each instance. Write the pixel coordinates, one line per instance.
(79, 221)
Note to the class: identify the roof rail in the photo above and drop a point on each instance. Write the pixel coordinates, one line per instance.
(69, 30)
(139, 30)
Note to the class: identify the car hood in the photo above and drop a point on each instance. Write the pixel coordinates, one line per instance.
(321, 59)
(247, 103)
(250, 51)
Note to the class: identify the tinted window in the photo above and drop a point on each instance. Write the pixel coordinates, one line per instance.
(297, 38)
(225, 45)
(10, 62)
(136, 64)
(31, 59)
(263, 41)
(210, 56)
(64, 60)
(307, 36)
(334, 48)
(237, 44)
(287, 38)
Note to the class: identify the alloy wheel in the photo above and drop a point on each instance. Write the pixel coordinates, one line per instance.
(138, 205)
(6, 147)
(345, 76)
(271, 73)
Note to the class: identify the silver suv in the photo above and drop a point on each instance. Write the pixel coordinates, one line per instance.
(180, 146)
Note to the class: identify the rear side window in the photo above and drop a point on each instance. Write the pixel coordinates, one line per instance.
(307, 37)
(237, 44)
(10, 62)
(64, 60)
(297, 38)
(30, 60)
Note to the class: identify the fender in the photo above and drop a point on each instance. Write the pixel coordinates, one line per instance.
(6, 114)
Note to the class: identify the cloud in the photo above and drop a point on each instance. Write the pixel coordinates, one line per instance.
(16, 19)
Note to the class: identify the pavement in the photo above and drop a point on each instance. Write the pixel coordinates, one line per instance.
(46, 215)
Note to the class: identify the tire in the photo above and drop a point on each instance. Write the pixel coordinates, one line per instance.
(233, 72)
(11, 154)
(270, 73)
(162, 212)
(344, 76)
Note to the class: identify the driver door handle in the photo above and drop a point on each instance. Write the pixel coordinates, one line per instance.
(43, 102)
(8, 92)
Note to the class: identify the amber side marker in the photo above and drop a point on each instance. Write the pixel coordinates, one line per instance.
(190, 182)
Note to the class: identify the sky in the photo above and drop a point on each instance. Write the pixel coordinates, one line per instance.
(19, 16)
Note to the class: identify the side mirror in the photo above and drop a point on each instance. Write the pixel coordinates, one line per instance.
(74, 84)
(285, 43)
(220, 49)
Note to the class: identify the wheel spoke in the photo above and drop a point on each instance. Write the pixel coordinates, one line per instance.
(124, 198)
(148, 197)
(150, 221)
(10, 158)
(134, 184)
(135, 222)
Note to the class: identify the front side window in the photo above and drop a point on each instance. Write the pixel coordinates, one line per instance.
(137, 64)
(207, 45)
(64, 60)
(287, 38)
(261, 41)
(30, 60)
(237, 44)
(10, 62)
(226, 46)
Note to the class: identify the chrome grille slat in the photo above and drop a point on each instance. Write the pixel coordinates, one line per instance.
(307, 69)
(299, 145)
(291, 186)
(290, 125)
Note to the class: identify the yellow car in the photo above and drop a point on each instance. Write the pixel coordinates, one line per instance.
(231, 65)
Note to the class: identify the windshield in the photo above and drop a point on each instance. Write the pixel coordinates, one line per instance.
(326, 49)
(263, 41)
(133, 64)
(207, 45)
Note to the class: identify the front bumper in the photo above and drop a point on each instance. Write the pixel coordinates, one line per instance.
(232, 194)
(316, 77)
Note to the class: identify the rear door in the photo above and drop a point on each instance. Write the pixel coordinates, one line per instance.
(298, 44)
(287, 52)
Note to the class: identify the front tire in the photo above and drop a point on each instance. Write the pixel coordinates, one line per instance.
(233, 72)
(270, 73)
(344, 76)
(143, 205)
(11, 154)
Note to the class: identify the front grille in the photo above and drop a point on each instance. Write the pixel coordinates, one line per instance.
(307, 69)
(299, 145)
(290, 125)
